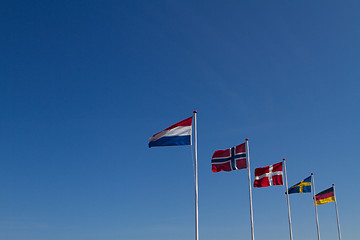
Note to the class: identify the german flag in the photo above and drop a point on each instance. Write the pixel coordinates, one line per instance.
(325, 196)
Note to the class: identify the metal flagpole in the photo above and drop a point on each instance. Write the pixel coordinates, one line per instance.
(196, 181)
(288, 202)
(337, 214)
(250, 192)
(316, 214)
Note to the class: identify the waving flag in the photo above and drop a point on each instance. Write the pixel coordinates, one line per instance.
(229, 159)
(268, 176)
(177, 134)
(325, 196)
(301, 187)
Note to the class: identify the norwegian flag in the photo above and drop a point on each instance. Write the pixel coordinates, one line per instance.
(229, 159)
(268, 176)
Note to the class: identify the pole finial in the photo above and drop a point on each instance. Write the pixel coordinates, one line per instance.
(284, 159)
(194, 111)
(246, 139)
(333, 184)
(312, 173)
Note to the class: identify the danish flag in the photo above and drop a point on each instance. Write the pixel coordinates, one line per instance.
(268, 176)
(229, 159)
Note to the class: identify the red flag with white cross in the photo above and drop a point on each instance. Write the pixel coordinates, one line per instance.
(268, 176)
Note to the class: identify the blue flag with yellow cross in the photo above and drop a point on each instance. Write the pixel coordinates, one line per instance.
(302, 187)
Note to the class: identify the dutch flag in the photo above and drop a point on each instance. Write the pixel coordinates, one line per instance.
(177, 134)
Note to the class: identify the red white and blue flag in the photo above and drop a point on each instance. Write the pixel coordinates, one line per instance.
(229, 159)
(177, 134)
(268, 176)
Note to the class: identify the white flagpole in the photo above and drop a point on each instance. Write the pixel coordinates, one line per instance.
(337, 214)
(316, 214)
(250, 192)
(288, 202)
(196, 181)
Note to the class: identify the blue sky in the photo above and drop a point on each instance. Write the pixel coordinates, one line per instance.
(84, 84)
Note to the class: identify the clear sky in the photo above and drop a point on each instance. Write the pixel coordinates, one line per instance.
(84, 84)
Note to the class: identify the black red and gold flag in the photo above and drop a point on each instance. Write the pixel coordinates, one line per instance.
(325, 196)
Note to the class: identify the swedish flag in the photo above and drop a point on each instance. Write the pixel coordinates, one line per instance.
(302, 187)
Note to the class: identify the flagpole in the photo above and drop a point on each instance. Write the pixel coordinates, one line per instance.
(250, 192)
(337, 214)
(288, 202)
(316, 214)
(196, 181)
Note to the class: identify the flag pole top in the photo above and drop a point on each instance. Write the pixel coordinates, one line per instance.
(246, 139)
(194, 111)
(333, 184)
(312, 173)
(283, 159)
